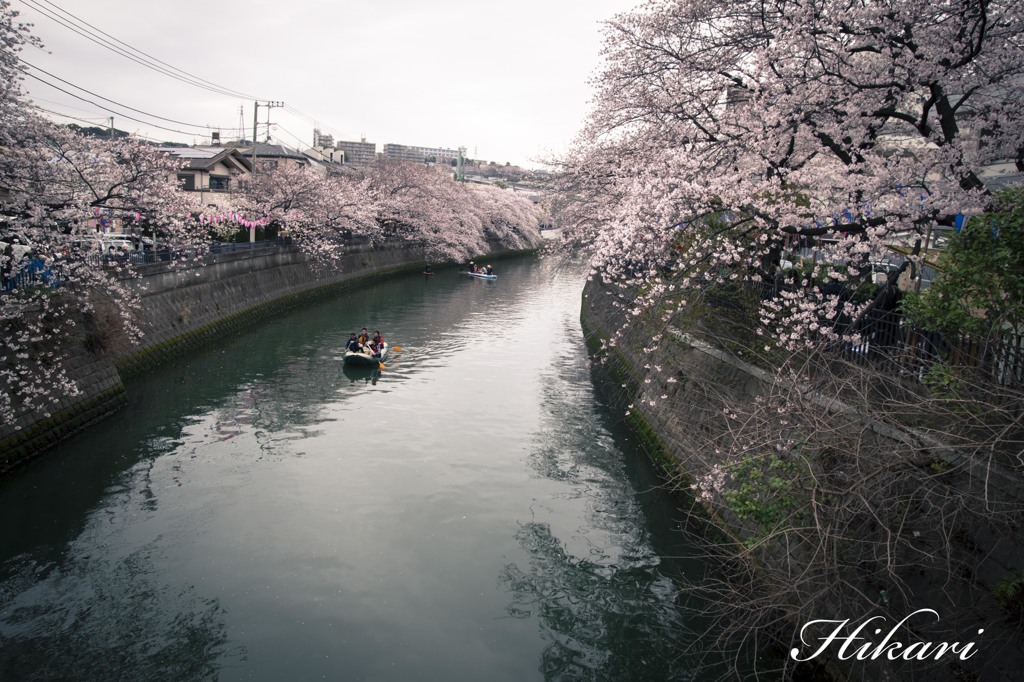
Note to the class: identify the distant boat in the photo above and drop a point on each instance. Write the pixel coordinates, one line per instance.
(478, 275)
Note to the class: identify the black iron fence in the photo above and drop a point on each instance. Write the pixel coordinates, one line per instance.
(888, 340)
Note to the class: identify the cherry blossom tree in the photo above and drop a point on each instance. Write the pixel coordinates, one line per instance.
(392, 201)
(725, 135)
(743, 165)
(54, 182)
(452, 220)
(310, 206)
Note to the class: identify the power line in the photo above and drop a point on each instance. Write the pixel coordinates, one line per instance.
(107, 99)
(139, 57)
(113, 111)
(36, 98)
(93, 33)
(290, 133)
(315, 122)
(92, 122)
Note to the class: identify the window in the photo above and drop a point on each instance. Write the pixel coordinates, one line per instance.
(187, 181)
(219, 183)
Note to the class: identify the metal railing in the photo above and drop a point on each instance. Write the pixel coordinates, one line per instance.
(35, 271)
(889, 340)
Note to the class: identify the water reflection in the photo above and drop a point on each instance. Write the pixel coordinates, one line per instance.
(599, 621)
(107, 621)
(356, 374)
(606, 602)
(100, 612)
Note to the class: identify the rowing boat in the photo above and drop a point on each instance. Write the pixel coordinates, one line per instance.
(479, 275)
(365, 359)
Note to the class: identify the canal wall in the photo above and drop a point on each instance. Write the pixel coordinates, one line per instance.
(185, 307)
(676, 399)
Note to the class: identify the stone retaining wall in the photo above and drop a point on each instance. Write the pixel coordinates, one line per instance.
(676, 431)
(182, 308)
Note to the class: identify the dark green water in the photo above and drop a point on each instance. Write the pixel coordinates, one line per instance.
(470, 512)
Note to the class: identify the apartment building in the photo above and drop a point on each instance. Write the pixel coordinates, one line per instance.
(358, 153)
(420, 154)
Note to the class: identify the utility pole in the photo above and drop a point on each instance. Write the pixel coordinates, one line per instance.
(255, 122)
(111, 127)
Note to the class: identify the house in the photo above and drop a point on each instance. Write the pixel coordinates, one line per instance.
(214, 172)
(328, 155)
(273, 156)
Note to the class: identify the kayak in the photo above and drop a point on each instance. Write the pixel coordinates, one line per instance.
(365, 359)
(479, 275)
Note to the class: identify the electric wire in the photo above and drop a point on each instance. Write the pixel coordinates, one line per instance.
(78, 25)
(92, 122)
(36, 98)
(130, 57)
(139, 57)
(113, 111)
(301, 142)
(120, 104)
(316, 123)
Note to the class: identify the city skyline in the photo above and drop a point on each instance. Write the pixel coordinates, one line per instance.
(508, 83)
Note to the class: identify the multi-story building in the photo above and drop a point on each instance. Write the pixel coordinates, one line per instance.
(321, 139)
(420, 154)
(358, 153)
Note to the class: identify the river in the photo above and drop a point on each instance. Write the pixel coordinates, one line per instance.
(468, 512)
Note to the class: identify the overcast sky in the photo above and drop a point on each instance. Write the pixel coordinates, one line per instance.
(507, 81)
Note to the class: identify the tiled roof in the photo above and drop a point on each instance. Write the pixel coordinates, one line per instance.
(274, 151)
(202, 158)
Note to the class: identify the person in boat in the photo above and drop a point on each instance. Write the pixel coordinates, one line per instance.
(489, 270)
(471, 267)
(364, 338)
(353, 344)
(427, 270)
(376, 345)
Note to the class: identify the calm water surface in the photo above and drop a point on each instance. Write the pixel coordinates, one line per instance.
(258, 512)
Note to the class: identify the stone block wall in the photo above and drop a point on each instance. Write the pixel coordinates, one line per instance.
(184, 307)
(682, 430)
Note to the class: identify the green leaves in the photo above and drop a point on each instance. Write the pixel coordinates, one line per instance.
(980, 287)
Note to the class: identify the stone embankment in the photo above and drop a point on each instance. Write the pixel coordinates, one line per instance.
(185, 307)
(676, 400)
